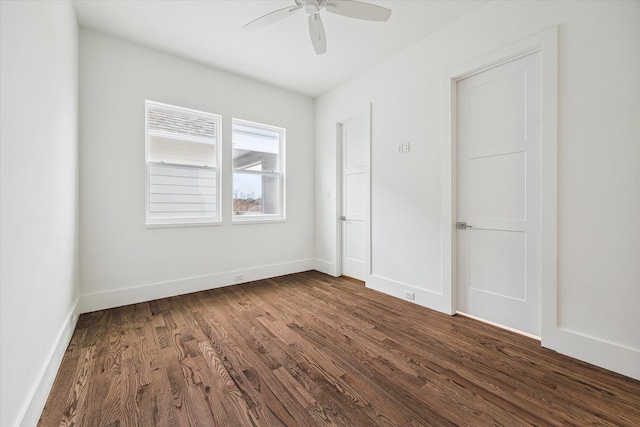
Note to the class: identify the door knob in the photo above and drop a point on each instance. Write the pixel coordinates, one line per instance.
(462, 226)
(343, 218)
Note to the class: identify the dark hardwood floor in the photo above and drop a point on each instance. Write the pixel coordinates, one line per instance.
(311, 350)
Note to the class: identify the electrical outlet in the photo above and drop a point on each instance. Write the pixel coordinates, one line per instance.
(400, 149)
(409, 295)
(406, 147)
(238, 277)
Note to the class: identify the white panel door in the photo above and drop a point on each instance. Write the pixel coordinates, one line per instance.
(355, 146)
(498, 159)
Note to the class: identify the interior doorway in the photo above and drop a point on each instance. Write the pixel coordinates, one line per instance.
(354, 134)
(498, 246)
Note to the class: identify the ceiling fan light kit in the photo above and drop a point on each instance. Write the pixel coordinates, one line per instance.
(348, 8)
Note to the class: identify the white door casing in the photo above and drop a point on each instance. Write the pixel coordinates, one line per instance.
(498, 194)
(355, 145)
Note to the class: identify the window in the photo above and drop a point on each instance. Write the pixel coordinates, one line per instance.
(258, 172)
(182, 155)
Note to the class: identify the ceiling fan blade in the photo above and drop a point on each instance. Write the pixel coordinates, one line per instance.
(316, 31)
(358, 10)
(271, 17)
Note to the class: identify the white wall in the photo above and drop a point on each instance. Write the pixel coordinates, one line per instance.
(123, 261)
(598, 165)
(38, 200)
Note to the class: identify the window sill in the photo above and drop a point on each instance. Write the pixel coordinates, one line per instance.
(256, 219)
(181, 224)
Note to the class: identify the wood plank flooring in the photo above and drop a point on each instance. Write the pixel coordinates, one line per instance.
(312, 350)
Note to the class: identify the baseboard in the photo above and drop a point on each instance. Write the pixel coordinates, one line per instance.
(34, 404)
(423, 297)
(498, 325)
(614, 357)
(136, 294)
(326, 267)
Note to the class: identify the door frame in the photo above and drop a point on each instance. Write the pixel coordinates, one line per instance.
(532, 294)
(546, 43)
(363, 111)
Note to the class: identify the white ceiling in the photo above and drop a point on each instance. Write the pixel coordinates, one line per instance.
(211, 32)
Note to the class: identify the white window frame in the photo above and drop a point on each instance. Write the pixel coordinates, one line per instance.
(182, 221)
(262, 218)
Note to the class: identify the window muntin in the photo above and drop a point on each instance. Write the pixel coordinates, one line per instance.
(182, 157)
(258, 171)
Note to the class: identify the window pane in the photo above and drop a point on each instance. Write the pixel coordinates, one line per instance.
(255, 161)
(255, 194)
(181, 192)
(183, 152)
(255, 138)
(255, 147)
(181, 122)
(182, 161)
(257, 170)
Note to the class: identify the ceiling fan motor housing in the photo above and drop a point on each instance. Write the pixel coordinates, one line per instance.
(311, 6)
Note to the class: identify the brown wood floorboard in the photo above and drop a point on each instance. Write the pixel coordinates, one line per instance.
(313, 350)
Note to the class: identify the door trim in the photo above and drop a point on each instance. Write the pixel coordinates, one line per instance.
(356, 113)
(546, 43)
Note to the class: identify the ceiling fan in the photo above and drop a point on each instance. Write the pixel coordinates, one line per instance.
(349, 8)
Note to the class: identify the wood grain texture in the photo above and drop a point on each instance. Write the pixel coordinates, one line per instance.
(312, 350)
